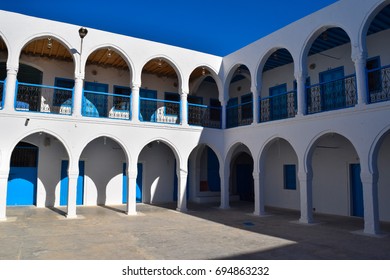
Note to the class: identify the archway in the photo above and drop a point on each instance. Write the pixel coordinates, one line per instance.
(204, 107)
(383, 163)
(159, 165)
(204, 179)
(110, 97)
(331, 82)
(239, 109)
(337, 188)
(160, 92)
(280, 163)
(104, 160)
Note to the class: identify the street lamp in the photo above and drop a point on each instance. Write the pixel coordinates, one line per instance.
(82, 33)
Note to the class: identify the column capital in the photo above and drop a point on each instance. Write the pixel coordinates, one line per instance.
(300, 74)
(12, 70)
(79, 76)
(359, 57)
(136, 86)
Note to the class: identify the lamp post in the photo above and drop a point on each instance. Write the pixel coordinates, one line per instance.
(82, 33)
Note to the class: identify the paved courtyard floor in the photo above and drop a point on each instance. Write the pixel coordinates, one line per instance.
(204, 232)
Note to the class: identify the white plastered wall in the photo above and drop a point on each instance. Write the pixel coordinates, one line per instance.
(384, 179)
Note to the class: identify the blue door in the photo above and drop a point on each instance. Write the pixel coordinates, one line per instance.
(332, 89)
(65, 184)
(95, 105)
(232, 112)
(244, 182)
(213, 179)
(278, 102)
(148, 107)
(22, 179)
(356, 191)
(138, 194)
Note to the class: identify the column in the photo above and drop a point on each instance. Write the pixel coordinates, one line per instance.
(306, 197)
(72, 193)
(131, 191)
(181, 190)
(361, 78)
(300, 77)
(3, 195)
(256, 105)
(135, 104)
(184, 108)
(224, 174)
(259, 194)
(78, 96)
(370, 200)
(10, 89)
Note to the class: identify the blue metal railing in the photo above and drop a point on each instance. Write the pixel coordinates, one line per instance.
(277, 107)
(159, 111)
(2, 94)
(205, 116)
(239, 115)
(378, 84)
(333, 95)
(42, 98)
(106, 105)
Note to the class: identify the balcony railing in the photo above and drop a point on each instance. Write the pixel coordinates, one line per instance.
(331, 95)
(2, 90)
(378, 84)
(239, 115)
(205, 116)
(159, 111)
(106, 105)
(44, 99)
(277, 107)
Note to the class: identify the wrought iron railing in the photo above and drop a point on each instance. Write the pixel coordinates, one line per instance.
(45, 99)
(2, 91)
(277, 107)
(333, 95)
(239, 115)
(205, 116)
(106, 105)
(159, 111)
(378, 84)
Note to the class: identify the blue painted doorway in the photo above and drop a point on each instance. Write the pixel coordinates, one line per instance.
(332, 89)
(138, 194)
(244, 182)
(65, 184)
(357, 207)
(23, 176)
(278, 102)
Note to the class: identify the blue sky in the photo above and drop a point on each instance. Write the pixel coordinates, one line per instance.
(217, 27)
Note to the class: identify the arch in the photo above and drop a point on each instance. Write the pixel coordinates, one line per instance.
(119, 51)
(367, 20)
(171, 62)
(375, 147)
(212, 74)
(265, 56)
(229, 76)
(267, 144)
(334, 166)
(310, 39)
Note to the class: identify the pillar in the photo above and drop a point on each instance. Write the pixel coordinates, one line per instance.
(78, 96)
(3, 195)
(370, 200)
(360, 61)
(259, 194)
(10, 89)
(256, 105)
(306, 197)
(131, 192)
(181, 190)
(224, 174)
(184, 108)
(135, 103)
(300, 77)
(73, 176)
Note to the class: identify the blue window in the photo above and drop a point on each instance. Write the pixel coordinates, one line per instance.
(247, 108)
(332, 89)
(290, 177)
(278, 103)
(374, 74)
(122, 102)
(63, 96)
(172, 108)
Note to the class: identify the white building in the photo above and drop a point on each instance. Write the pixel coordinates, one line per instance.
(299, 119)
